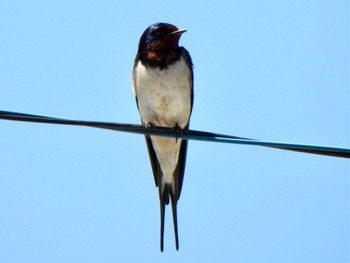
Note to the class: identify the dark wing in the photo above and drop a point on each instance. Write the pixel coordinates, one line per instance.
(154, 161)
(186, 56)
(180, 169)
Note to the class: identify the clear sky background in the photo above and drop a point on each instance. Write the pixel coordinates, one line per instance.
(271, 70)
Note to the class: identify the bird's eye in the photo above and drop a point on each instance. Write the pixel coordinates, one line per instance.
(160, 32)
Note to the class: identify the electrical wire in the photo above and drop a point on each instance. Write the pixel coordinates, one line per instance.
(188, 135)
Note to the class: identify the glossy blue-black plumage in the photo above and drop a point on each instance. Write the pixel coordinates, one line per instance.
(154, 33)
(158, 49)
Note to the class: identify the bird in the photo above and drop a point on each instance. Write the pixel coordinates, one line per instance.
(162, 82)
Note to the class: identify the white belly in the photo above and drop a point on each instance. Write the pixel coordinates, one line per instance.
(164, 96)
(164, 99)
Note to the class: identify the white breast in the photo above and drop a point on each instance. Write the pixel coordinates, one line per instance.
(164, 96)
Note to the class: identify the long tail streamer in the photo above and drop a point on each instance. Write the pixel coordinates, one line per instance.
(188, 135)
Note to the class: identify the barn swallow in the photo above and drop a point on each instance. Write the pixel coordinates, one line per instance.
(162, 83)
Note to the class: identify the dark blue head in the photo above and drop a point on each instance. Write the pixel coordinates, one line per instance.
(160, 37)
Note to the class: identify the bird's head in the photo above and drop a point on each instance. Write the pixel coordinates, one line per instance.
(160, 37)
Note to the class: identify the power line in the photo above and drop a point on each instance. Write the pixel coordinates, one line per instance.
(188, 135)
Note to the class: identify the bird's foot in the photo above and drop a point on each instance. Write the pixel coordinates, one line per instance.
(178, 130)
(149, 125)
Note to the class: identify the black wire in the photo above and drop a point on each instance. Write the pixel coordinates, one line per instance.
(169, 132)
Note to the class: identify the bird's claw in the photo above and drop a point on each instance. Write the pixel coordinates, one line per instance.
(149, 125)
(178, 130)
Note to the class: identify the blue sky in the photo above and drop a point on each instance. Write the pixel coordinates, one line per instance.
(271, 70)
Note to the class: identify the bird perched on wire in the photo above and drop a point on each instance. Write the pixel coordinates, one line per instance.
(163, 87)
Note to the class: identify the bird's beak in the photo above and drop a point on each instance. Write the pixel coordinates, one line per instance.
(178, 32)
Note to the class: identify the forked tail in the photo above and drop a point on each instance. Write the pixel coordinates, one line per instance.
(164, 200)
